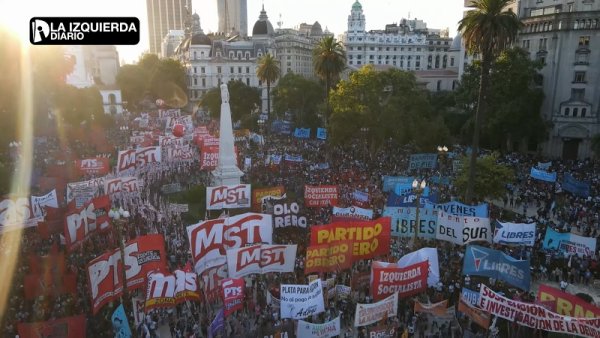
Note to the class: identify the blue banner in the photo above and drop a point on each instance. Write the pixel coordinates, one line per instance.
(444, 180)
(575, 187)
(459, 209)
(543, 175)
(217, 325)
(409, 200)
(302, 133)
(293, 158)
(569, 243)
(480, 261)
(422, 161)
(281, 127)
(120, 323)
(321, 133)
(390, 182)
(404, 220)
(470, 296)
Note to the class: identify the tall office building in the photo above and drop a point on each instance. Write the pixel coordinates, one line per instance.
(233, 16)
(163, 16)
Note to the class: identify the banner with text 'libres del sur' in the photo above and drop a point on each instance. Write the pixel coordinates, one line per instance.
(536, 316)
(569, 243)
(328, 257)
(389, 278)
(370, 238)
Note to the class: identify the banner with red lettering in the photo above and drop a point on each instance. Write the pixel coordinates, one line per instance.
(233, 295)
(128, 184)
(370, 238)
(566, 304)
(91, 218)
(367, 314)
(260, 258)
(147, 155)
(126, 160)
(228, 197)
(328, 257)
(388, 278)
(68, 327)
(210, 240)
(93, 166)
(168, 290)
(179, 153)
(142, 255)
(211, 281)
(258, 195)
(536, 316)
(320, 196)
(209, 157)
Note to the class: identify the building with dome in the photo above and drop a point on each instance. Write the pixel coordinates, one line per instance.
(407, 45)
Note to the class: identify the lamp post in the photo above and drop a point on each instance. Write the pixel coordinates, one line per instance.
(418, 188)
(442, 152)
(119, 218)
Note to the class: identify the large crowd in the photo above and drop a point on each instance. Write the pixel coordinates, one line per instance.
(352, 166)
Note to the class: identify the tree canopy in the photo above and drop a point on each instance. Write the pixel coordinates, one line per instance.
(243, 100)
(268, 71)
(491, 179)
(390, 104)
(300, 96)
(329, 60)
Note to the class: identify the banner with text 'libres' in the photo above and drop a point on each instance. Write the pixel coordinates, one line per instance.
(404, 220)
(514, 233)
(480, 261)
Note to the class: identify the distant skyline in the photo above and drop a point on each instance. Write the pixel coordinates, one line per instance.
(331, 14)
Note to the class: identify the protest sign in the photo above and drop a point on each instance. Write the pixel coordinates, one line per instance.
(301, 301)
(461, 230)
(326, 330)
(567, 304)
(328, 257)
(389, 278)
(480, 261)
(569, 243)
(367, 314)
(260, 258)
(514, 233)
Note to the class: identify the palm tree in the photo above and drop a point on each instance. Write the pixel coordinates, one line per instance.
(329, 60)
(268, 71)
(488, 29)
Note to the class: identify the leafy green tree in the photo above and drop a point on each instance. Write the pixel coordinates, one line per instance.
(390, 104)
(491, 179)
(300, 96)
(487, 30)
(77, 105)
(243, 100)
(329, 60)
(268, 71)
(515, 100)
(133, 81)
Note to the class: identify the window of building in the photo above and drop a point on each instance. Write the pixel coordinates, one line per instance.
(240, 70)
(203, 70)
(372, 48)
(567, 111)
(247, 81)
(584, 41)
(582, 58)
(231, 55)
(445, 61)
(247, 70)
(231, 70)
(218, 69)
(195, 81)
(437, 61)
(195, 70)
(194, 55)
(439, 85)
(577, 94)
(203, 82)
(371, 57)
(575, 112)
(418, 64)
(359, 48)
(579, 77)
(451, 62)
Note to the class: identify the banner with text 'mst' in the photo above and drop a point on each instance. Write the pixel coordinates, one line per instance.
(228, 197)
(210, 240)
(260, 259)
(328, 257)
(91, 218)
(389, 278)
(567, 304)
(67, 327)
(371, 313)
(142, 255)
(168, 290)
(301, 301)
(320, 196)
(233, 295)
(461, 230)
(536, 316)
(370, 238)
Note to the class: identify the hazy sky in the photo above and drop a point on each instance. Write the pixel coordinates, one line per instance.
(332, 14)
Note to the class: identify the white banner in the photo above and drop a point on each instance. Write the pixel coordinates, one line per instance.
(16, 213)
(39, 202)
(325, 330)
(301, 301)
(514, 233)
(128, 184)
(371, 313)
(210, 240)
(463, 229)
(83, 192)
(228, 197)
(147, 155)
(425, 254)
(352, 213)
(260, 259)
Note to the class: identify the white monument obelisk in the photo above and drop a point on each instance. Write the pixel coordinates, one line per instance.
(227, 171)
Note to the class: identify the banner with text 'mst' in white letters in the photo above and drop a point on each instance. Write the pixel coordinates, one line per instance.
(371, 313)
(301, 301)
(514, 233)
(228, 197)
(461, 230)
(260, 259)
(325, 330)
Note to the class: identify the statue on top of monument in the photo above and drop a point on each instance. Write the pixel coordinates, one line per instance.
(224, 94)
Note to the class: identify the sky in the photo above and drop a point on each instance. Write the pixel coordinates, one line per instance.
(332, 14)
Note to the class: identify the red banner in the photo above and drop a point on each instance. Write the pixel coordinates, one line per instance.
(320, 196)
(259, 194)
(328, 257)
(48, 276)
(566, 304)
(212, 279)
(233, 295)
(167, 290)
(388, 278)
(93, 166)
(91, 218)
(370, 238)
(481, 318)
(142, 255)
(68, 327)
